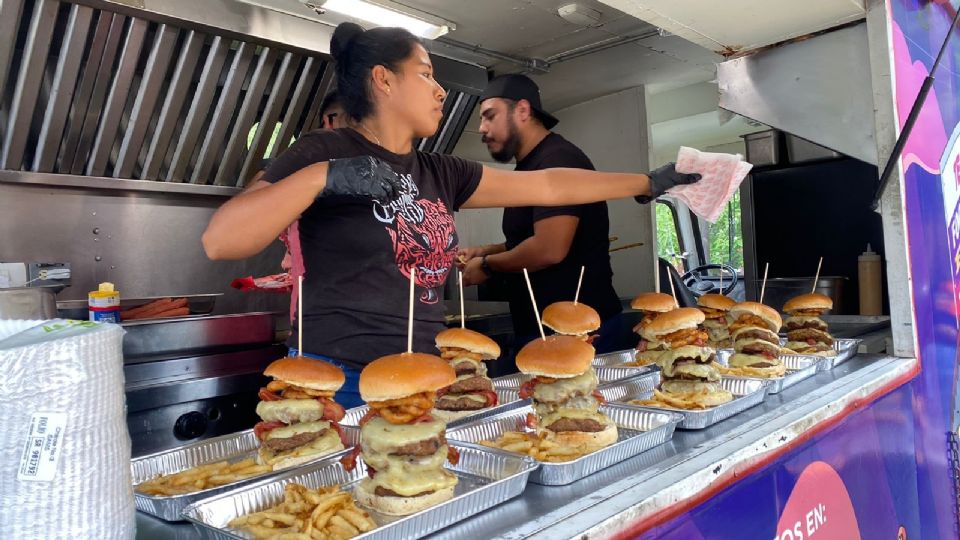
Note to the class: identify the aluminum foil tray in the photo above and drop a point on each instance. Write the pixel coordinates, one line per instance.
(487, 478)
(234, 447)
(799, 367)
(507, 398)
(746, 393)
(639, 430)
(846, 349)
(642, 382)
(604, 375)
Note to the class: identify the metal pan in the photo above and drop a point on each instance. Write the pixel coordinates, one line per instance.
(604, 375)
(234, 447)
(507, 399)
(644, 381)
(746, 393)
(486, 479)
(639, 430)
(846, 349)
(799, 367)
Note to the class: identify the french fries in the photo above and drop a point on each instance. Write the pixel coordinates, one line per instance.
(747, 371)
(537, 447)
(662, 399)
(322, 514)
(203, 477)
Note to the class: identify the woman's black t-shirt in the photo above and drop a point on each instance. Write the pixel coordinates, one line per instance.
(357, 253)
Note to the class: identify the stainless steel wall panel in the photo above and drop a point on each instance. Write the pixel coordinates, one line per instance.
(9, 23)
(105, 75)
(172, 105)
(301, 94)
(81, 97)
(147, 243)
(228, 175)
(271, 112)
(210, 151)
(123, 77)
(151, 83)
(64, 83)
(312, 121)
(203, 96)
(27, 89)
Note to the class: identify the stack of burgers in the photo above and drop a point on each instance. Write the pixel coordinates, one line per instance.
(300, 418)
(716, 308)
(755, 340)
(572, 319)
(563, 386)
(807, 333)
(689, 376)
(650, 305)
(465, 351)
(404, 446)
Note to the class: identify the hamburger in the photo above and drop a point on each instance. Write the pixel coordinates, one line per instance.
(716, 310)
(650, 305)
(402, 444)
(300, 420)
(755, 339)
(465, 351)
(563, 387)
(688, 370)
(572, 319)
(807, 333)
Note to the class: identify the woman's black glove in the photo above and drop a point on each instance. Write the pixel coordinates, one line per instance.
(362, 176)
(663, 179)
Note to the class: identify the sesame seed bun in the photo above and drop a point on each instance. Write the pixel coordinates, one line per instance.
(571, 319)
(306, 373)
(656, 302)
(401, 375)
(767, 313)
(558, 356)
(672, 321)
(475, 342)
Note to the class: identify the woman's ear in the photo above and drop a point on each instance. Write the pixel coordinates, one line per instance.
(381, 79)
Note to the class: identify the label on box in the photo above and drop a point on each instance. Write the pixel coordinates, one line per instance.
(42, 449)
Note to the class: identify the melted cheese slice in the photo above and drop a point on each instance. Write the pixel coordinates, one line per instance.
(585, 383)
(296, 429)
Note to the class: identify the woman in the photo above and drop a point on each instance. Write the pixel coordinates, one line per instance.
(371, 207)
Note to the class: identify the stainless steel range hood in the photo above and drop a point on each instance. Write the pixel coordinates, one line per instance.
(818, 89)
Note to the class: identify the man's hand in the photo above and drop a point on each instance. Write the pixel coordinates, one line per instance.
(472, 273)
(362, 176)
(467, 254)
(663, 179)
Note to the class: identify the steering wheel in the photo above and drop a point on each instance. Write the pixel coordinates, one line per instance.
(694, 279)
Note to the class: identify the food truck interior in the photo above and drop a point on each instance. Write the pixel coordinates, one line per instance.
(125, 125)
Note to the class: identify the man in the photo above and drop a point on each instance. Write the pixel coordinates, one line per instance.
(332, 115)
(551, 243)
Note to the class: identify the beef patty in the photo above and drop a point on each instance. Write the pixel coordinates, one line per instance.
(450, 403)
(279, 445)
(424, 448)
(576, 424)
(473, 384)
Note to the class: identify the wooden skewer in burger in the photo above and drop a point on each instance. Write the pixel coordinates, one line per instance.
(756, 341)
(716, 310)
(300, 419)
(402, 444)
(807, 333)
(688, 371)
(650, 305)
(563, 388)
(465, 350)
(573, 318)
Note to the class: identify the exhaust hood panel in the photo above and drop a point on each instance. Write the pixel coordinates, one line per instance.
(738, 26)
(818, 89)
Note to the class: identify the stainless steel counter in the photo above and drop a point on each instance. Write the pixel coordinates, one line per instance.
(606, 501)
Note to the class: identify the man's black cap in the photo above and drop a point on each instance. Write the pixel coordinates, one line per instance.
(516, 87)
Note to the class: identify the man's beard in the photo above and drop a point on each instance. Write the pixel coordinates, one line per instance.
(510, 146)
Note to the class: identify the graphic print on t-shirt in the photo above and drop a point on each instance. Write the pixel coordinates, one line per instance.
(423, 236)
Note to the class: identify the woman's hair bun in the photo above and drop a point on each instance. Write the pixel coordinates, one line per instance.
(344, 34)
